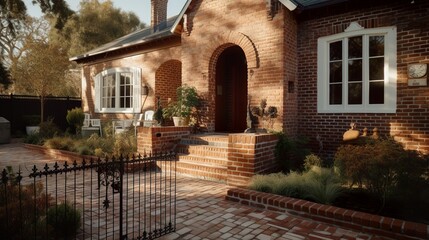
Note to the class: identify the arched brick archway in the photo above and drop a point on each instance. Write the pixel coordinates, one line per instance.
(225, 40)
(209, 61)
(168, 77)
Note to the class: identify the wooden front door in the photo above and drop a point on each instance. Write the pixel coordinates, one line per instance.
(231, 91)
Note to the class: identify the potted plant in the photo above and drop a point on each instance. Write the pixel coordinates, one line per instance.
(181, 110)
(32, 124)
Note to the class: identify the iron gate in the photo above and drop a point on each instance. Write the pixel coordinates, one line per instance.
(124, 198)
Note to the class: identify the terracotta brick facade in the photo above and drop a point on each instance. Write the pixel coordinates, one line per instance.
(409, 125)
(281, 58)
(160, 139)
(160, 63)
(212, 27)
(250, 154)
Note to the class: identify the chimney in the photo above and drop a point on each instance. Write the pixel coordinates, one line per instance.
(159, 12)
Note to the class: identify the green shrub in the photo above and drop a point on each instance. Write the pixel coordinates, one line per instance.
(319, 185)
(290, 153)
(60, 143)
(33, 138)
(125, 143)
(49, 129)
(75, 119)
(65, 220)
(19, 201)
(382, 167)
(311, 161)
(84, 150)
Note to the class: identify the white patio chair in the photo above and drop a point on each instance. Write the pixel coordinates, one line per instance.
(138, 118)
(96, 123)
(148, 118)
(121, 126)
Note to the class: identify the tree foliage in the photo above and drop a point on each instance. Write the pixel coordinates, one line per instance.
(12, 11)
(41, 70)
(96, 23)
(5, 79)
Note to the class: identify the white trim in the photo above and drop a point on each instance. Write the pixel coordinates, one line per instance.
(288, 4)
(136, 79)
(390, 73)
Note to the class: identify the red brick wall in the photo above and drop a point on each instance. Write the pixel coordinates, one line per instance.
(250, 154)
(410, 124)
(211, 27)
(168, 78)
(154, 61)
(159, 139)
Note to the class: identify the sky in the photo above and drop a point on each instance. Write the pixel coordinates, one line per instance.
(140, 7)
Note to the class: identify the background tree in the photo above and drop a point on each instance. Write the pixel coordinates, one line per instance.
(95, 23)
(12, 11)
(5, 79)
(41, 70)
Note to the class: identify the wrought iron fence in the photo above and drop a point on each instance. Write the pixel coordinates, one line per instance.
(124, 198)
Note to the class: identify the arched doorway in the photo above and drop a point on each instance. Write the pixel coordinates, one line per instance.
(231, 91)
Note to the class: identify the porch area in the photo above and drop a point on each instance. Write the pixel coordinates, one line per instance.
(231, 158)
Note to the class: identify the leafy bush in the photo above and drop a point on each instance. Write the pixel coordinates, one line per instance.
(312, 160)
(290, 153)
(75, 119)
(64, 219)
(19, 201)
(125, 144)
(61, 143)
(319, 185)
(49, 129)
(33, 138)
(382, 167)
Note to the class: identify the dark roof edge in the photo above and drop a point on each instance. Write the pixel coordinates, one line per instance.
(159, 35)
(317, 5)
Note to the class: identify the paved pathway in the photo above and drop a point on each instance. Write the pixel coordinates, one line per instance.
(202, 212)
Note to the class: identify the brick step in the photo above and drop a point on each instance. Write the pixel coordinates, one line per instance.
(198, 159)
(217, 140)
(202, 171)
(203, 150)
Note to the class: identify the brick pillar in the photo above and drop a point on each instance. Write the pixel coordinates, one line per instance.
(250, 154)
(159, 139)
(158, 11)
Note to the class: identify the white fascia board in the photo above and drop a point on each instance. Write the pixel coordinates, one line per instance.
(289, 4)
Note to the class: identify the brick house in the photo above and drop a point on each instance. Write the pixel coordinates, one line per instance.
(322, 64)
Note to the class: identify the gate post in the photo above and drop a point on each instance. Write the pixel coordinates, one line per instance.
(121, 198)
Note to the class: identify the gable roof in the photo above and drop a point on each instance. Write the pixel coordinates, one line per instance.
(168, 28)
(146, 35)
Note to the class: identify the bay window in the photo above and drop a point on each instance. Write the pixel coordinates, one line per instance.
(117, 90)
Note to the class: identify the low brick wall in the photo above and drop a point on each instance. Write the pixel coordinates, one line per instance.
(383, 226)
(156, 139)
(60, 155)
(250, 154)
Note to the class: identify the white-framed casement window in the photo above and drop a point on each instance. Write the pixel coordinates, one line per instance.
(118, 90)
(356, 71)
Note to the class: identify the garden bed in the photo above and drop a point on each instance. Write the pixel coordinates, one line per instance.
(365, 222)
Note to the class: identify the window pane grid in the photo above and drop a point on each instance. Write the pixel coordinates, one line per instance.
(364, 74)
(117, 91)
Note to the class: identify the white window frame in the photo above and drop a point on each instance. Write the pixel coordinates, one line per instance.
(390, 73)
(136, 79)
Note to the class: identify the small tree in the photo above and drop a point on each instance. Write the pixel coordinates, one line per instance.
(41, 71)
(75, 118)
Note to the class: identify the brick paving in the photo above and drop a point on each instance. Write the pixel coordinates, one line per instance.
(203, 212)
